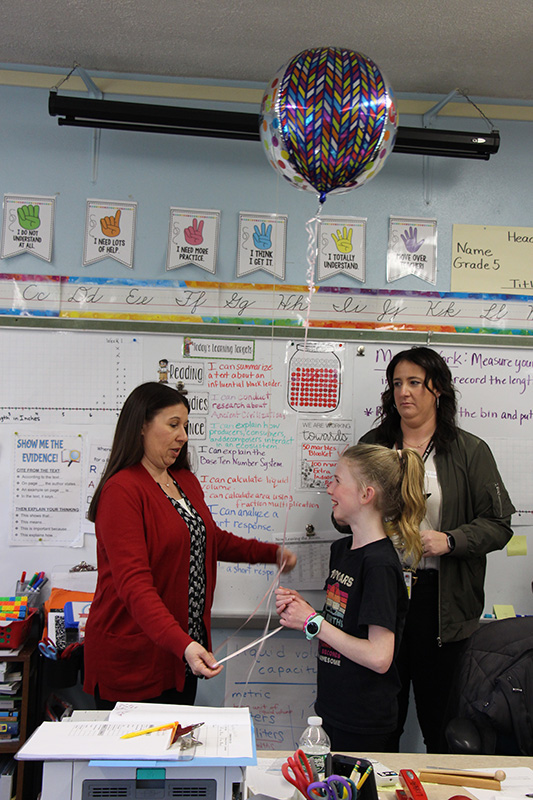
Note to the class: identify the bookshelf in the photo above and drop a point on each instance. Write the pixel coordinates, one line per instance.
(25, 701)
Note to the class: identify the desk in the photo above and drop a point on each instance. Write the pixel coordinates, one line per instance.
(436, 791)
(418, 761)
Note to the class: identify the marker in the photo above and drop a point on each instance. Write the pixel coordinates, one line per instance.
(38, 585)
(32, 581)
(23, 577)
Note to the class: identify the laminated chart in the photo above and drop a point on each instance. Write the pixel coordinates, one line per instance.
(66, 377)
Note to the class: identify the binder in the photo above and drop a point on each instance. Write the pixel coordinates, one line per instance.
(7, 783)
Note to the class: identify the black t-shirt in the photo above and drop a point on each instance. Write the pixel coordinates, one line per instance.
(365, 587)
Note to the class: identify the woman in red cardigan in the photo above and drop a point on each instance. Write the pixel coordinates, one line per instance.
(148, 633)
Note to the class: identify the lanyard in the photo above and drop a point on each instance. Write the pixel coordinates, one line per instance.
(427, 451)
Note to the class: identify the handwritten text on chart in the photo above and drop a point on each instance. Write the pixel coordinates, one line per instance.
(250, 434)
(265, 681)
(508, 379)
(492, 258)
(241, 376)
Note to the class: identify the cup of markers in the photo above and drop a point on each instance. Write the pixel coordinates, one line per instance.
(32, 588)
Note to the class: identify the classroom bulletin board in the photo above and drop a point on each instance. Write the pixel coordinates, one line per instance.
(269, 418)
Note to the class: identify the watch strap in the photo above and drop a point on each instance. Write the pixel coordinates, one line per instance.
(312, 625)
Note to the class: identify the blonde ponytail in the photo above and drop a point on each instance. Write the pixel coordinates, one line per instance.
(398, 478)
(413, 493)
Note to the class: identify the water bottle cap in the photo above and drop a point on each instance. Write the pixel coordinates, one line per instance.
(314, 720)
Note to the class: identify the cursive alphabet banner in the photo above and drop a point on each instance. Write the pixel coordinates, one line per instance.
(263, 305)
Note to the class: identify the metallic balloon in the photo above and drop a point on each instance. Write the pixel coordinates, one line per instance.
(328, 120)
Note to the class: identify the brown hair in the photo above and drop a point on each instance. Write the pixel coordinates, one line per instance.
(437, 371)
(141, 406)
(398, 478)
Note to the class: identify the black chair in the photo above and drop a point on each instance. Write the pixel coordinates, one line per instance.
(494, 691)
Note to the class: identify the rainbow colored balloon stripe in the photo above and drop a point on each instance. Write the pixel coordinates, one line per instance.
(329, 120)
(332, 113)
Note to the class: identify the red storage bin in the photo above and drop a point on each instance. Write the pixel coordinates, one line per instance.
(16, 632)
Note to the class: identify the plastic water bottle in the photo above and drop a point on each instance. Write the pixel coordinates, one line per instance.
(316, 745)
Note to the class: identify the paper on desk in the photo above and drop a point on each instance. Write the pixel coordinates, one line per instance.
(265, 778)
(226, 736)
(518, 782)
(143, 713)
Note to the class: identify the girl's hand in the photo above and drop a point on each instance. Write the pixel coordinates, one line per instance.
(283, 598)
(201, 661)
(292, 609)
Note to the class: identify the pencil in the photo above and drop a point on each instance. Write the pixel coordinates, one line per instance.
(149, 730)
(363, 777)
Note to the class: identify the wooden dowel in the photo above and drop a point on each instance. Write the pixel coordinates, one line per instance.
(498, 775)
(457, 779)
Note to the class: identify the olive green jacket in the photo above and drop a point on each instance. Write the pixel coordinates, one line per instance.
(476, 511)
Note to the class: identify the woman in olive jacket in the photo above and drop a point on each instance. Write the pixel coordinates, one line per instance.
(469, 514)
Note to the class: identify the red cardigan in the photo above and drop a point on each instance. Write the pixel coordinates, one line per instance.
(136, 632)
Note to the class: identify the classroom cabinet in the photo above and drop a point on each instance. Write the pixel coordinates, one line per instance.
(26, 702)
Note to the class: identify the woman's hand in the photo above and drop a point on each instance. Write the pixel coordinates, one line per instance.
(285, 559)
(293, 610)
(434, 543)
(201, 662)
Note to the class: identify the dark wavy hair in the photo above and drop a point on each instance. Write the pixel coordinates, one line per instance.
(141, 406)
(437, 371)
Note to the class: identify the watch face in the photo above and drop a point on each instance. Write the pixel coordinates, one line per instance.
(312, 628)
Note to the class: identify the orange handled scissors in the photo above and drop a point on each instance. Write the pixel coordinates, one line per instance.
(298, 771)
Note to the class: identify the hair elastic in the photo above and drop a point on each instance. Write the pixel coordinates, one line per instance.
(308, 618)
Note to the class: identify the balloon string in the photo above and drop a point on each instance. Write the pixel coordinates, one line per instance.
(312, 255)
(267, 596)
(249, 646)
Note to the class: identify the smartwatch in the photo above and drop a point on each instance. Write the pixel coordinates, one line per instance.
(312, 625)
(451, 543)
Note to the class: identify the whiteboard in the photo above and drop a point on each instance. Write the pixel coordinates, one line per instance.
(269, 418)
(277, 681)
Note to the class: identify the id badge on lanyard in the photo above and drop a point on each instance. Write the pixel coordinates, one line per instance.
(408, 578)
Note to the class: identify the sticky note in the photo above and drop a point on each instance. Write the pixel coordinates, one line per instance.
(517, 546)
(503, 612)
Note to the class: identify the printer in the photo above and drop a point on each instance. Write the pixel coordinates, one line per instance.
(88, 756)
